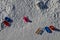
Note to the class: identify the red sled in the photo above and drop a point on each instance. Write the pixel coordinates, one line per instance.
(26, 19)
(52, 27)
(6, 23)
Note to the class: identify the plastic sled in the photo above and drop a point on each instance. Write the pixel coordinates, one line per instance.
(42, 6)
(39, 31)
(26, 19)
(48, 29)
(54, 28)
(8, 19)
(6, 23)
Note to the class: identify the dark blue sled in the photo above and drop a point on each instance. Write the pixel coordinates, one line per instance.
(48, 30)
(8, 19)
(42, 6)
(41, 32)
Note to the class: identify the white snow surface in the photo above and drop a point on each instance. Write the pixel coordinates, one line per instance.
(26, 31)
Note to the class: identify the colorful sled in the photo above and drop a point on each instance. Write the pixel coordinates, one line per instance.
(39, 31)
(26, 19)
(8, 19)
(6, 23)
(48, 29)
(41, 5)
(52, 27)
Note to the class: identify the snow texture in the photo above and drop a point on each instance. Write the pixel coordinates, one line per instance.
(17, 9)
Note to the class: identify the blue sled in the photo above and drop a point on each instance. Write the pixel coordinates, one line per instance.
(48, 30)
(41, 32)
(42, 6)
(8, 19)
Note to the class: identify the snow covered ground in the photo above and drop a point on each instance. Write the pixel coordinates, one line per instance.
(40, 18)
